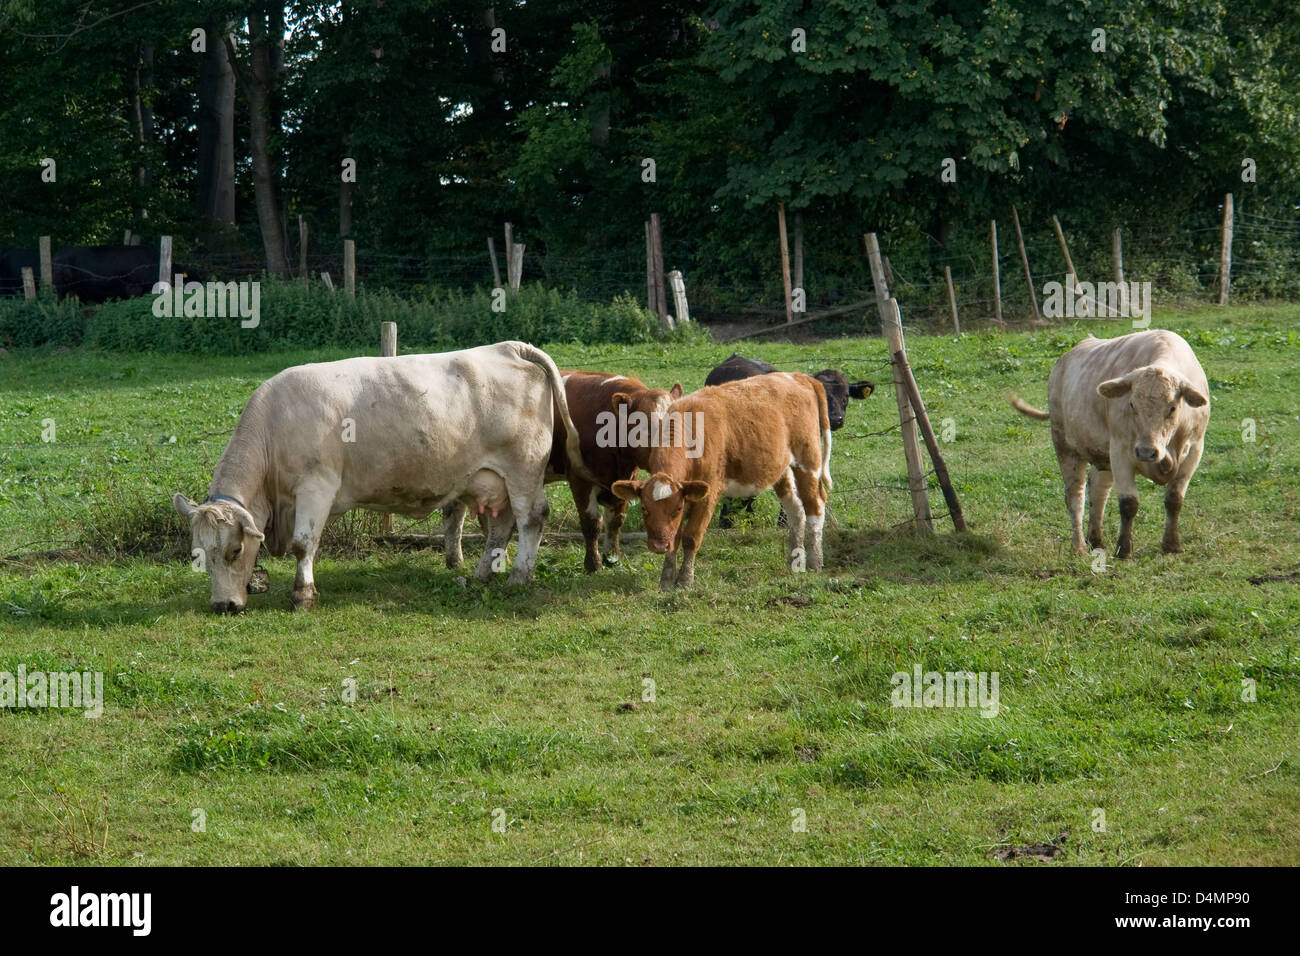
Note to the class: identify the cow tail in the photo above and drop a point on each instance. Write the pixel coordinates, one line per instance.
(1025, 409)
(573, 443)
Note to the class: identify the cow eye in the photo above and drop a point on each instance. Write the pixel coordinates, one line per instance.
(1170, 413)
(238, 550)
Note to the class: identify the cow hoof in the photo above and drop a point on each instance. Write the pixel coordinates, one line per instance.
(302, 599)
(260, 582)
(592, 564)
(610, 560)
(518, 580)
(1095, 543)
(1173, 547)
(1123, 553)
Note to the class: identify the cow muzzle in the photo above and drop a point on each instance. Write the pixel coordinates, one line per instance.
(1145, 453)
(227, 607)
(657, 547)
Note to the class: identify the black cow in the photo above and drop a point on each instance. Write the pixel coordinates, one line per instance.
(838, 392)
(100, 273)
(12, 263)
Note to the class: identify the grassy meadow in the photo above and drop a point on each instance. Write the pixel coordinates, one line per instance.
(501, 726)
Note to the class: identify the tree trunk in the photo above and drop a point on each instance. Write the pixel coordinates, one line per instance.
(141, 118)
(214, 198)
(258, 80)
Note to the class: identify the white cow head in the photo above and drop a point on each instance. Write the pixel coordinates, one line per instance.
(226, 538)
(1157, 402)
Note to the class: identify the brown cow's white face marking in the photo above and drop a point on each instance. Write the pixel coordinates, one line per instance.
(663, 502)
(1154, 402)
(226, 540)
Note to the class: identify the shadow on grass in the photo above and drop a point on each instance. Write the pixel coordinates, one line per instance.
(911, 558)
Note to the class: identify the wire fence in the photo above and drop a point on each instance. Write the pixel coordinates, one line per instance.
(1182, 265)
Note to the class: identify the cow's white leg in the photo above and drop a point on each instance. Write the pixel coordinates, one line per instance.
(1173, 542)
(531, 508)
(1099, 483)
(496, 532)
(1126, 491)
(1073, 472)
(812, 496)
(795, 516)
(311, 511)
(453, 520)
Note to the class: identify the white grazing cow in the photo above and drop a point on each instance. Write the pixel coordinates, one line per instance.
(1137, 404)
(408, 435)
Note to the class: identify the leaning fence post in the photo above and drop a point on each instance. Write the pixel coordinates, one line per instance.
(952, 299)
(892, 326)
(1024, 260)
(997, 278)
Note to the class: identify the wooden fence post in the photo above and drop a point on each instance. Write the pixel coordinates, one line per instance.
(1117, 262)
(165, 261)
(496, 271)
(798, 258)
(510, 249)
(329, 283)
(47, 263)
(997, 277)
(678, 285)
(1065, 251)
(515, 271)
(1225, 251)
(892, 327)
(785, 261)
(952, 300)
(302, 252)
(932, 444)
(29, 283)
(126, 238)
(350, 267)
(1024, 260)
(661, 299)
(650, 302)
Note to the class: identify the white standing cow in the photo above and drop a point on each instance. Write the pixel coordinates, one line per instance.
(1137, 404)
(409, 435)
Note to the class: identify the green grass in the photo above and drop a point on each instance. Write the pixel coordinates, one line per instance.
(1120, 691)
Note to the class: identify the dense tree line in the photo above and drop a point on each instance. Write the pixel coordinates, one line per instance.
(221, 122)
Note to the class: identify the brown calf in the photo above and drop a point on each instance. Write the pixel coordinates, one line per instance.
(590, 396)
(770, 431)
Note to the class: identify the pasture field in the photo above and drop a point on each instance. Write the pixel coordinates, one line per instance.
(1121, 690)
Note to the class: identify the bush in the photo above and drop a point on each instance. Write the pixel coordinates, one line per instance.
(41, 321)
(294, 317)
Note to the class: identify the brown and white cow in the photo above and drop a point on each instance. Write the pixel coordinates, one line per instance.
(770, 431)
(591, 397)
(1137, 404)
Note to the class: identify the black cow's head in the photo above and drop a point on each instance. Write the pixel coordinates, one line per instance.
(838, 392)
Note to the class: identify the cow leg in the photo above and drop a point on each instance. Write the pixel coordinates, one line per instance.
(1073, 471)
(1173, 542)
(614, 515)
(1099, 483)
(813, 500)
(668, 576)
(793, 509)
(584, 497)
(691, 535)
(497, 532)
(1126, 491)
(530, 515)
(311, 511)
(453, 520)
